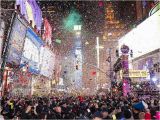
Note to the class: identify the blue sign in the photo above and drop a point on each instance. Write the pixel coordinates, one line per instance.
(31, 51)
(34, 37)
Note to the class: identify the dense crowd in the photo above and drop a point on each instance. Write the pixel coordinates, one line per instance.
(81, 107)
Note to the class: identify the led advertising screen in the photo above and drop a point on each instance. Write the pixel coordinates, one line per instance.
(16, 40)
(47, 68)
(31, 11)
(31, 51)
(145, 37)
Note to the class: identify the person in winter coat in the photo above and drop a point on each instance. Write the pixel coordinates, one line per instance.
(147, 115)
(141, 115)
(105, 115)
(58, 112)
(8, 109)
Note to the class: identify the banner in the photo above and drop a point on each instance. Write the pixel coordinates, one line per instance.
(47, 32)
(135, 74)
(47, 61)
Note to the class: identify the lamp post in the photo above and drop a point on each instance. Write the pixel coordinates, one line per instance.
(97, 48)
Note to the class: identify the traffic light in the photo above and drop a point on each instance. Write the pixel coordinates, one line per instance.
(76, 67)
(131, 53)
(117, 53)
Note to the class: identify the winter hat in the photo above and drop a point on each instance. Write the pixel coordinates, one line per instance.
(127, 114)
(147, 116)
(157, 115)
(140, 106)
(97, 114)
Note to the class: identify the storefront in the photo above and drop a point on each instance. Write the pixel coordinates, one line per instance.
(18, 81)
(41, 85)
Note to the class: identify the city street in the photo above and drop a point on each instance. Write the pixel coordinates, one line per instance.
(62, 59)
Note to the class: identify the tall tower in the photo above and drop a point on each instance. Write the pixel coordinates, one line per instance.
(112, 32)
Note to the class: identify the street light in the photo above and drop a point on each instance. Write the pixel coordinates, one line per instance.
(77, 27)
(154, 79)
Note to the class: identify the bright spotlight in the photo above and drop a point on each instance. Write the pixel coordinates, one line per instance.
(154, 79)
(78, 33)
(137, 86)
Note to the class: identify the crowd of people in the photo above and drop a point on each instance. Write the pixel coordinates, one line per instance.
(80, 107)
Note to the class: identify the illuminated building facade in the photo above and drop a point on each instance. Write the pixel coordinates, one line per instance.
(113, 30)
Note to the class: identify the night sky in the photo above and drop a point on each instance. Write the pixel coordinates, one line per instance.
(92, 18)
(92, 12)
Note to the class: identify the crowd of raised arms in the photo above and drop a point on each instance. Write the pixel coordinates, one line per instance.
(81, 107)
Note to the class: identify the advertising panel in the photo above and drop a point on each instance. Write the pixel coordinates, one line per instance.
(135, 74)
(31, 11)
(47, 62)
(145, 37)
(31, 51)
(2, 26)
(47, 32)
(16, 40)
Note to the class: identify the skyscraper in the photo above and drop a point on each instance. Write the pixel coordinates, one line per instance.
(113, 30)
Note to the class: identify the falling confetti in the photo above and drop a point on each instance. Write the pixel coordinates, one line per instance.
(91, 15)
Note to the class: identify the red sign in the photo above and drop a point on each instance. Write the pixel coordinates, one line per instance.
(48, 31)
(93, 73)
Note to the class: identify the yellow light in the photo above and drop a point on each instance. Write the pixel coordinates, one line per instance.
(6, 68)
(78, 33)
(86, 43)
(101, 47)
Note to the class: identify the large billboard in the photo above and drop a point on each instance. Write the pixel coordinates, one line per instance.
(31, 11)
(47, 62)
(16, 40)
(145, 37)
(31, 51)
